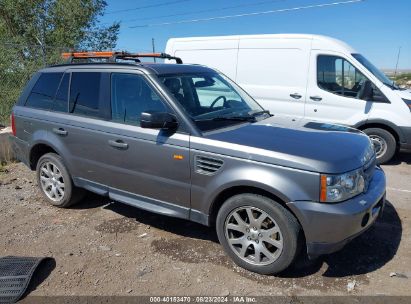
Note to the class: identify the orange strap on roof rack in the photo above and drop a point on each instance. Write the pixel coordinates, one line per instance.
(113, 56)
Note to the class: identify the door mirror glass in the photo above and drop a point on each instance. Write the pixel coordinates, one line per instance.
(158, 120)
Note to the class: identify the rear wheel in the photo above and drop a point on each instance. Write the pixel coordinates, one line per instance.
(259, 234)
(55, 182)
(384, 144)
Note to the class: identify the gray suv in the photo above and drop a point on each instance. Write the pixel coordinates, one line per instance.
(185, 141)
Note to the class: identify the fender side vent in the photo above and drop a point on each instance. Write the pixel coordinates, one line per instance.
(207, 165)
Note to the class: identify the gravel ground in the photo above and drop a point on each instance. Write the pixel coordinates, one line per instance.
(102, 247)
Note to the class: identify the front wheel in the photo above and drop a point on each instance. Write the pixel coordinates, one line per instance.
(384, 144)
(258, 233)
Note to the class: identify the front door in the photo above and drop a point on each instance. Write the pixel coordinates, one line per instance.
(146, 164)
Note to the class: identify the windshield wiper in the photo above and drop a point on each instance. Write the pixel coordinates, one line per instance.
(258, 113)
(392, 85)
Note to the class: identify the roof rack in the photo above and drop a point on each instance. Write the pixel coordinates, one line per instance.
(113, 56)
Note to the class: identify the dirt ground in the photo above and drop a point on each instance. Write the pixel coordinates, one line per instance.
(102, 247)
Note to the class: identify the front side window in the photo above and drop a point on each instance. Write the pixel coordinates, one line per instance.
(131, 95)
(338, 76)
(85, 93)
(211, 97)
(43, 92)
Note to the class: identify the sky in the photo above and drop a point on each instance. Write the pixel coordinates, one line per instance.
(375, 28)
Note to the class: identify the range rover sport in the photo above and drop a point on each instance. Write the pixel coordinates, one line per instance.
(185, 141)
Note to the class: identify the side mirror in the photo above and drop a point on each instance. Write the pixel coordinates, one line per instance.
(366, 91)
(158, 120)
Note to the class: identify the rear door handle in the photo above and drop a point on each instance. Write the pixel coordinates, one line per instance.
(296, 96)
(316, 98)
(60, 131)
(118, 144)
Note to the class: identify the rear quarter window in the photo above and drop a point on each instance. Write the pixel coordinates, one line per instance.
(43, 92)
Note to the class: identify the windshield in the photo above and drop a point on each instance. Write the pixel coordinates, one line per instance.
(212, 100)
(374, 70)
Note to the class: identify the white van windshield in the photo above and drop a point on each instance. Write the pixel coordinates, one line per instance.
(375, 71)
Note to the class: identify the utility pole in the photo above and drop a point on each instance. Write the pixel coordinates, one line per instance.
(154, 48)
(398, 59)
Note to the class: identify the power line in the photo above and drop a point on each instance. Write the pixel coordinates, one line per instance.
(204, 11)
(249, 14)
(147, 6)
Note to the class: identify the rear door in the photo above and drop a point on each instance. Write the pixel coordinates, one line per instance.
(274, 72)
(78, 129)
(220, 54)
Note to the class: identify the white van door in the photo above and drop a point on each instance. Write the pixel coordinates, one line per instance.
(274, 72)
(220, 54)
(333, 90)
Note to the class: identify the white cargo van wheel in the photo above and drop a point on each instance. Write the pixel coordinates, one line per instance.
(384, 144)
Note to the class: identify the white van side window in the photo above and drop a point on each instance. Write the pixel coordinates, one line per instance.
(338, 76)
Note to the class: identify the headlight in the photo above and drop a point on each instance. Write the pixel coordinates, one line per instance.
(337, 188)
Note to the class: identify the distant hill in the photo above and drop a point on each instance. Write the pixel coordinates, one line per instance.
(390, 72)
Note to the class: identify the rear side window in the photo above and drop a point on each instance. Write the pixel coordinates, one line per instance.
(43, 92)
(85, 93)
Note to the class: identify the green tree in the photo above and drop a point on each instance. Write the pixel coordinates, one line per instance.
(34, 34)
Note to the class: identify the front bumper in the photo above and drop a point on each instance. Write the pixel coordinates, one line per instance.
(328, 227)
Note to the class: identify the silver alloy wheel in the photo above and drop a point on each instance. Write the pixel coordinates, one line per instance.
(52, 181)
(253, 235)
(380, 145)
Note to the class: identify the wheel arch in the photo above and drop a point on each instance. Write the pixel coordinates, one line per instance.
(38, 150)
(225, 194)
(381, 124)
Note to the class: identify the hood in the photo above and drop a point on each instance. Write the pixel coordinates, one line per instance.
(406, 94)
(312, 146)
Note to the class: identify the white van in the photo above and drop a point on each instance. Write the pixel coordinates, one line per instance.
(309, 77)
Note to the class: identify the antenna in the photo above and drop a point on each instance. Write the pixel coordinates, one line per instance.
(154, 48)
(398, 59)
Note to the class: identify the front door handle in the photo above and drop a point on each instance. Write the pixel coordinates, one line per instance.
(119, 144)
(60, 131)
(296, 96)
(316, 98)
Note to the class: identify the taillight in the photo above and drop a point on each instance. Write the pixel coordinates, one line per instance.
(13, 124)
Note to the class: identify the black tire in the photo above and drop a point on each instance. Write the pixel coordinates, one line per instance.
(72, 194)
(287, 223)
(379, 136)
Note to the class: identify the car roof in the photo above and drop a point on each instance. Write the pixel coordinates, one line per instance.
(148, 68)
